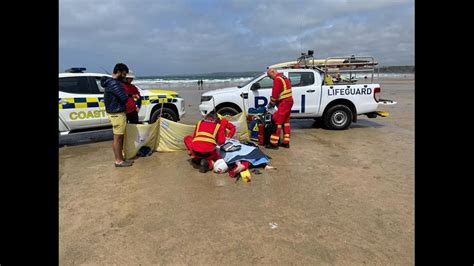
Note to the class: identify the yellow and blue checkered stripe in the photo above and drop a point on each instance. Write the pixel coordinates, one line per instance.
(95, 102)
(92, 102)
(157, 99)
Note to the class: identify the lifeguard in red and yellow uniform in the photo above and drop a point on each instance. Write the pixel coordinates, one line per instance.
(202, 145)
(281, 97)
(226, 124)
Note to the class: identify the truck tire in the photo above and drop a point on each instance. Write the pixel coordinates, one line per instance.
(227, 110)
(338, 117)
(167, 113)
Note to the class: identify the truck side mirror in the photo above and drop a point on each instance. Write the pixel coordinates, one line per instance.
(255, 86)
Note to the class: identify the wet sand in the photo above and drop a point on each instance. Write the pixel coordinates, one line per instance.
(338, 197)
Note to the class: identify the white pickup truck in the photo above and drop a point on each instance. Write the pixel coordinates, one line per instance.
(337, 104)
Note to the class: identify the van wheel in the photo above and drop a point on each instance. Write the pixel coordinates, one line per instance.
(167, 113)
(338, 117)
(227, 110)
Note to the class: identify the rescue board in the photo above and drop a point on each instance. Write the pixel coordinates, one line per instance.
(321, 62)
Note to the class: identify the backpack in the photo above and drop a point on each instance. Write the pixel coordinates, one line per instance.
(144, 151)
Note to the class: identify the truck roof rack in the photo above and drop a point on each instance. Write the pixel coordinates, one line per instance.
(339, 64)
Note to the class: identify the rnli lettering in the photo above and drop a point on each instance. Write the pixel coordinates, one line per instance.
(349, 91)
(87, 115)
(260, 98)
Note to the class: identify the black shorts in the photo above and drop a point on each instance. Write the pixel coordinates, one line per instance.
(132, 117)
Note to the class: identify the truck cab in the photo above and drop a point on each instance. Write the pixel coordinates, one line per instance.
(305, 85)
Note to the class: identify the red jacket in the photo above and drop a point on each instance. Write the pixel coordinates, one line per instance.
(130, 90)
(278, 89)
(228, 125)
(207, 134)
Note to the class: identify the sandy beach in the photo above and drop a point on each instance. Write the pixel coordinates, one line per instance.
(337, 197)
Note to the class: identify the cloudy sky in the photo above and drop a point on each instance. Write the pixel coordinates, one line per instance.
(163, 37)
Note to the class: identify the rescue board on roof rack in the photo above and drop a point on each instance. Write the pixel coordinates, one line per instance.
(343, 63)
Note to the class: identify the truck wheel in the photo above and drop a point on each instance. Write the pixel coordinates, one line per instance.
(227, 110)
(338, 117)
(167, 113)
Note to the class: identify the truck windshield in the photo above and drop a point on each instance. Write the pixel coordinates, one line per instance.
(248, 82)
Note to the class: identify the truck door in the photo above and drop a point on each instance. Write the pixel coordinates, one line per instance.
(260, 97)
(79, 103)
(305, 93)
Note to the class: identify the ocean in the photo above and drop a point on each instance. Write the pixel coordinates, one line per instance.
(191, 81)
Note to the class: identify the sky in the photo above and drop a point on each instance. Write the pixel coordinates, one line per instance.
(166, 37)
